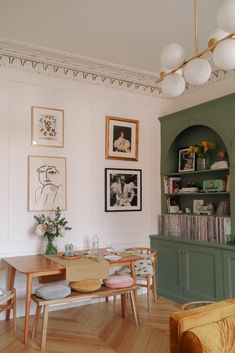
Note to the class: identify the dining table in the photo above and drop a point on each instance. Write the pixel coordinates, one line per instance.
(39, 266)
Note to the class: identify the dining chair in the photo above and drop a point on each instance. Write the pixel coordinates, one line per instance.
(145, 270)
(8, 302)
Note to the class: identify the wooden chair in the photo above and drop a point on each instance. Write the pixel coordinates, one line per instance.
(148, 276)
(8, 302)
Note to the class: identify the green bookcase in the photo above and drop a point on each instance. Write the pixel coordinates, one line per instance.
(189, 269)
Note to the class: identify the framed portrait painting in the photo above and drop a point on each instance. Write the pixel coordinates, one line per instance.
(122, 136)
(186, 160)
(47, 127)
(46, 183)
(123, 190)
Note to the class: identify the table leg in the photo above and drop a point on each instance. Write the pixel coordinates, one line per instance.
(11, 286)
(27, 306)
(123, 304)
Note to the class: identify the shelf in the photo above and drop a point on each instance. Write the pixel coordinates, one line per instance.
(198, 193)
(206, 171)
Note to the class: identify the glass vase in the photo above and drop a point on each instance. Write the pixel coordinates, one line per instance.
(51, 249)
(203, 163)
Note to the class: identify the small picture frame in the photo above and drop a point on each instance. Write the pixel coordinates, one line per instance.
(123, 190)
(186, 160)
(122, 137)
(47, 127)
(46, 183)
(197, 204)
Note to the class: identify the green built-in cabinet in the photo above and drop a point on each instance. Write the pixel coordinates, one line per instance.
(189, 269)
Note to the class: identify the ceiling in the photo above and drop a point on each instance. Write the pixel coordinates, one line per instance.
(125, 32)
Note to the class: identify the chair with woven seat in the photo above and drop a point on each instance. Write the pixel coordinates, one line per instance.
(145, 270)
(8, 302)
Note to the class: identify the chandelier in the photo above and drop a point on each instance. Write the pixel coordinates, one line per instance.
(177, 70)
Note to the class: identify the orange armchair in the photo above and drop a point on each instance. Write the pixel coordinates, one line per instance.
(205, 329)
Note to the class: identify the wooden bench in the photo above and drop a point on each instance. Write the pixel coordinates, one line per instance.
(75, 297)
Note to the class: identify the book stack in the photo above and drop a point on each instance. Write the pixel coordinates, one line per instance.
(172, 185)
(219, 165)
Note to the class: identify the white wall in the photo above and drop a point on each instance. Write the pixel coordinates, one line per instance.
(85, 107)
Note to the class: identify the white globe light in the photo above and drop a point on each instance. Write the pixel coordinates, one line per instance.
(226, 16)
(224, 55)
(172, 56)
(218, 34)
(173, 85)
(197, 71)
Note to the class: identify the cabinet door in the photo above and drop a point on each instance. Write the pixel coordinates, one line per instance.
(169, 265)
(202, 273)
(229, 273)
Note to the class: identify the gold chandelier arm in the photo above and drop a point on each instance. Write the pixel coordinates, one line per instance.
(203, 52)
(196, 27)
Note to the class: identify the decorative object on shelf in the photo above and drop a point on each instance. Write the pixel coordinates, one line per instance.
(123, 190)
(197, 70)
(172, 185)
(205, 209)
(197, 204)
(69, 250)
(51, 228)
(122, 137)
(46, 183)
(186, 160)
(202, 151)
(216, 185)
(47, 127)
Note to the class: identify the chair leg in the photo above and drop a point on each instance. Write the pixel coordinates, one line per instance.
(154, 287)
(14, 309)
(44, 327)
(148, 291)
(133, 305)
(114, 300)
(123, 304)
(36, 319)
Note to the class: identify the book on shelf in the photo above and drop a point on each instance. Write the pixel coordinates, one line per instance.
(219, 165)
(228, 183)
(172, 185)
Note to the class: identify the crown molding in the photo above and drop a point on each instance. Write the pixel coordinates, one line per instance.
(26, 57)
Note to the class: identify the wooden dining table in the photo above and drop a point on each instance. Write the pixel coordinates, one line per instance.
(39, 266)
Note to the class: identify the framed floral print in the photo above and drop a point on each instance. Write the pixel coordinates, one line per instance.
(123, 190)
(122, 136)
(46, 183)
(47, 127)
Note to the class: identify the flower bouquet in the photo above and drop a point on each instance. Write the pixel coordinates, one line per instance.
(202, 151)
(51, 228)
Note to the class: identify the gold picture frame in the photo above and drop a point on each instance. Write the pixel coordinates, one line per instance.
(47, 127)
(46, 183)
(122, 138)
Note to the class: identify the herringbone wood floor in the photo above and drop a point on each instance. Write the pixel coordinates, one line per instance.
(97, 328)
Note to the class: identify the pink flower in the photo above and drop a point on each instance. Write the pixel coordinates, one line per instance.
(41, 229)
(54, 230)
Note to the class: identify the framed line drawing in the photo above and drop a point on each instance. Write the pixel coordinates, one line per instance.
(46, 183)
(47, 127)
(186, 160)
(123, 190)
(122, 138)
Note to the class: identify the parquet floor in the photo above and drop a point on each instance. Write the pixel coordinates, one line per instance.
(97, 328)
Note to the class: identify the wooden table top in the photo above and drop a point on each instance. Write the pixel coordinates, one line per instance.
(39, 263)
(32, 263)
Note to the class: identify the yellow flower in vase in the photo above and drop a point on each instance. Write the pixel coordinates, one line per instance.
(202, 151)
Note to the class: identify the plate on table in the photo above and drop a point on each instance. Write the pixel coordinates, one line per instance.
(74, 257)
(112, 257)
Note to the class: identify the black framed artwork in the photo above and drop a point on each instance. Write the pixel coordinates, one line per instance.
(123, 190)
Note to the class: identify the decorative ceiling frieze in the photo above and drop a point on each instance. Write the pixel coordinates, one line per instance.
(39, 60)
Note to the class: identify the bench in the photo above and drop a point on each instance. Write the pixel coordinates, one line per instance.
(76, 297)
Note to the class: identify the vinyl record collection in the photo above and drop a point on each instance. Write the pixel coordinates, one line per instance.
(197, 227)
